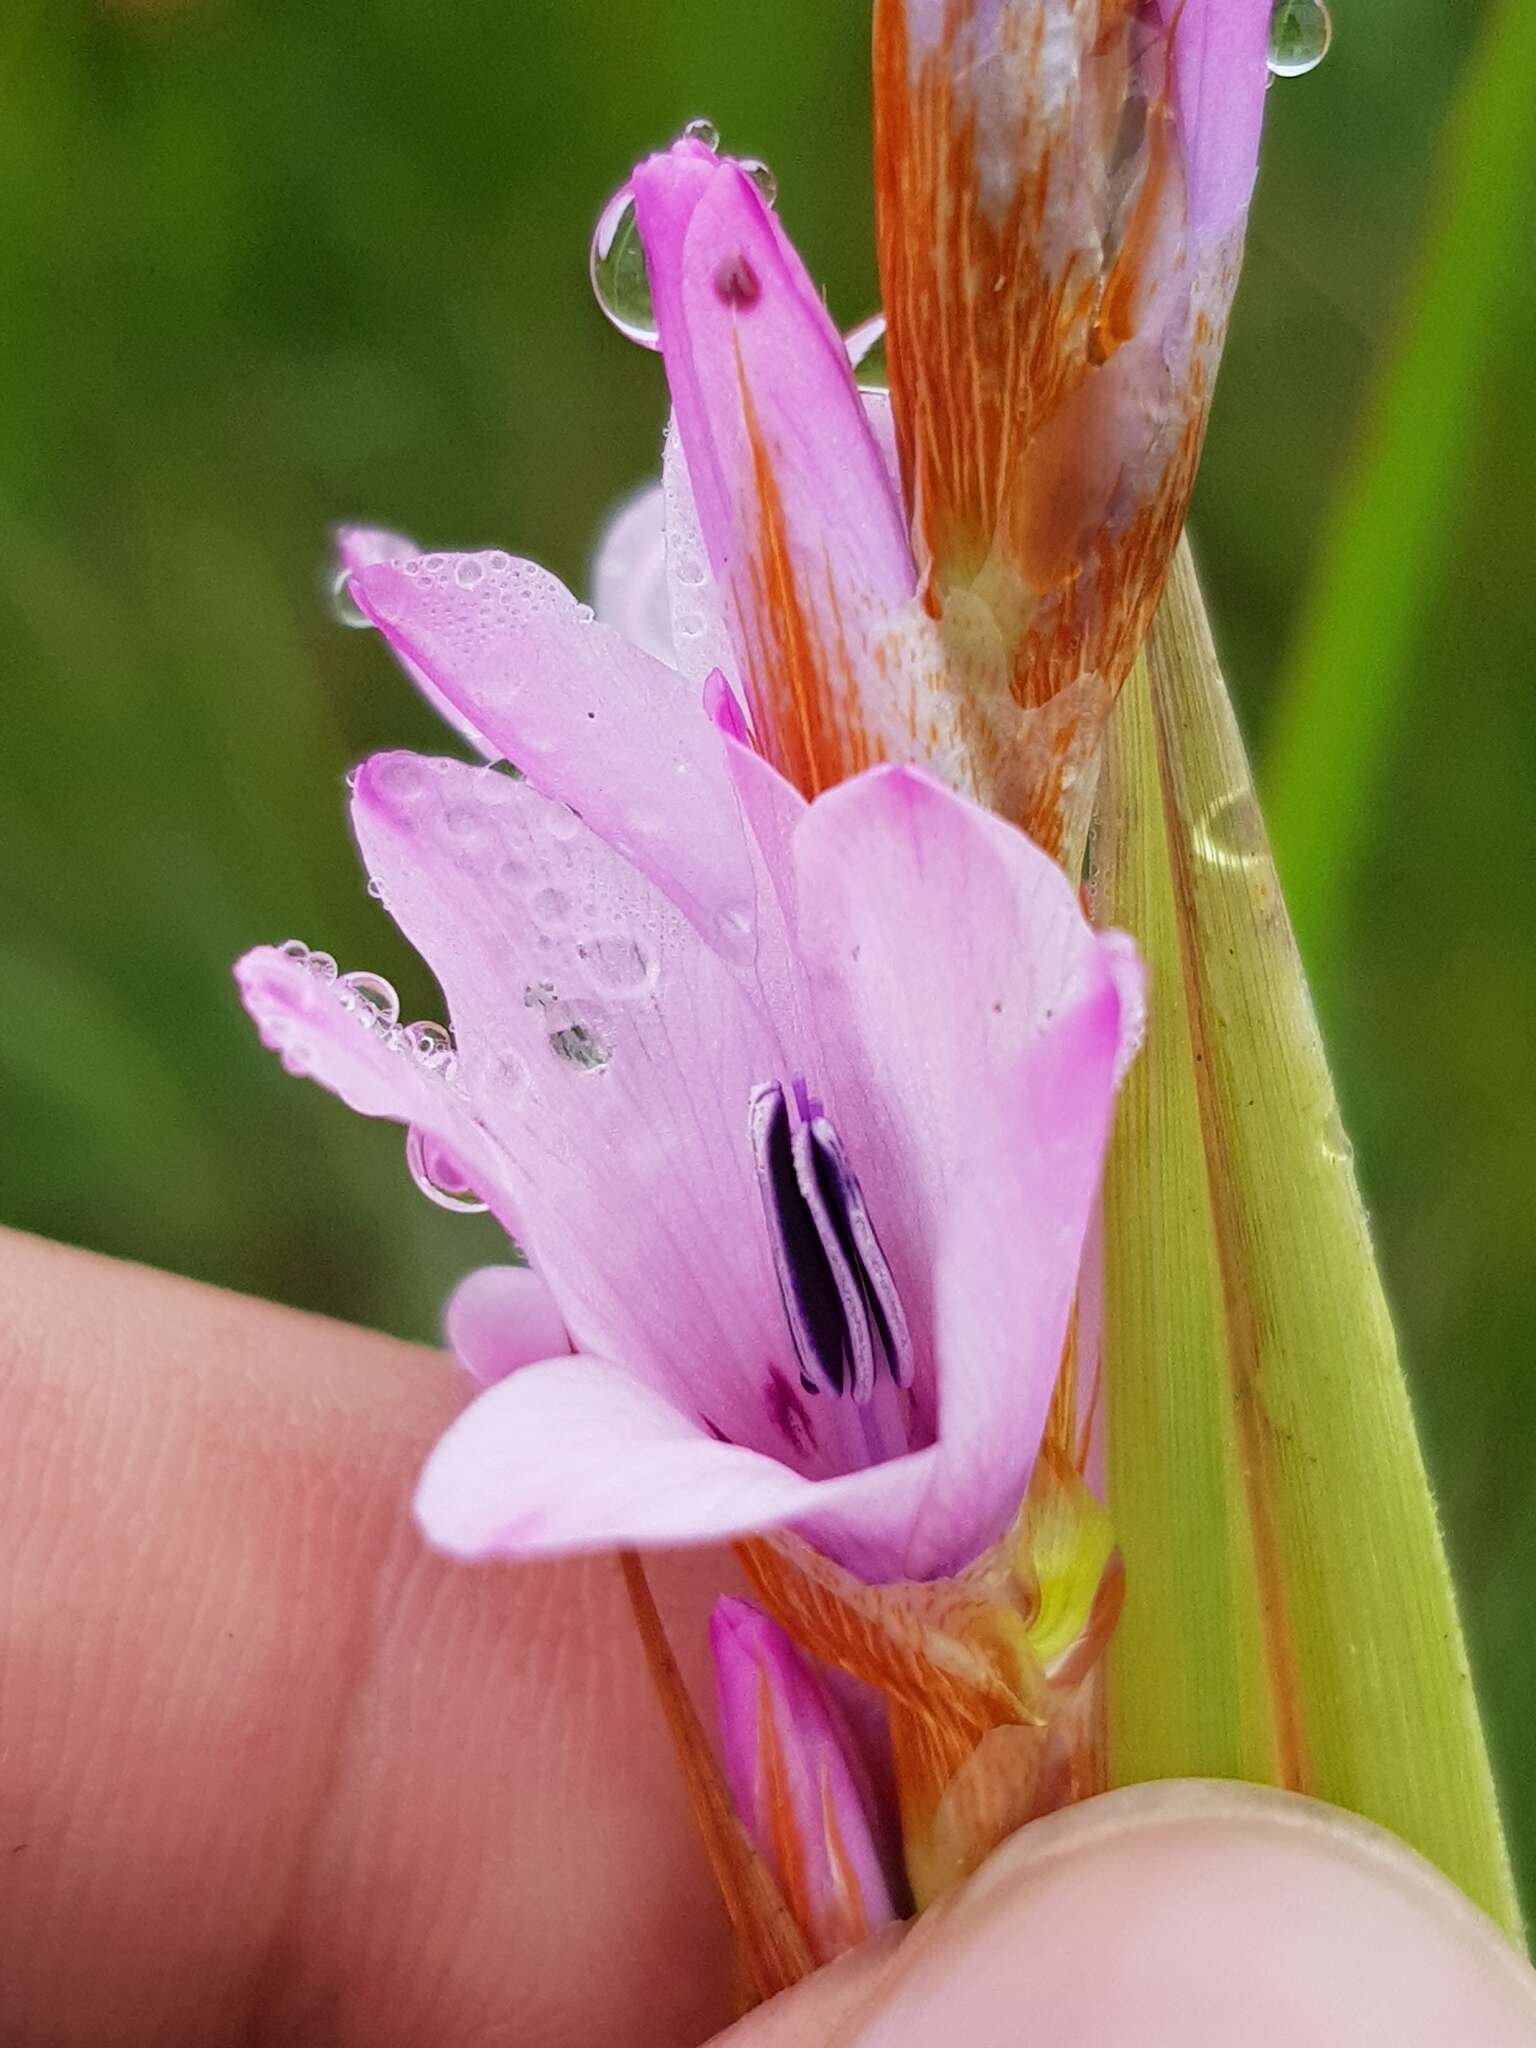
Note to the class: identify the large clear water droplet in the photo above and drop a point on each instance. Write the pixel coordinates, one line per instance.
(370, 998)
(701, 129)
(439, 1175)
(1299, 34)
(866, 351)
(616, 264)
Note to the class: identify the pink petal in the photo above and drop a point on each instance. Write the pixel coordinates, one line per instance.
(500, 1318)
(613, 1054)
(1007, 1271)
(358, 548)
(629, 574)
(591, 721)
(575, 1454)
(792, 1769)
(988, 1019)
(1220, 77)
(701, 636)
(373, 1070)
(805, 536)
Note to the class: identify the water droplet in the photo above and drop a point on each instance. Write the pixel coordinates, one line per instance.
(295, 949)
(375, 888)
(469, 573)
(866, 352)
(509, 1071)
(439, 1175)
(1337, 1148)
(703, 130)
(550, 908)
(616, 265)
(431, 1043)
(763, 177)
(736, 282)
(496, 783)
(561, 822)
(577, 1045)
(345, 608)
(619, 963)
(463, 821)
(1231, 833)
(1299, 34)
(370, 998)
(321, 966)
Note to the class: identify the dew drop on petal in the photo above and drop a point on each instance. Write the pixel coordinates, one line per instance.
(580, 1047)
(550, 908)
(345, 608)
(702, 130)
(439, 1175)
(763, 177)
(370, 998)
(321, 966)
(618, 963)
(1299, 34)
(616, 265)
(295, 949)
(866, 352)
(431, 1043)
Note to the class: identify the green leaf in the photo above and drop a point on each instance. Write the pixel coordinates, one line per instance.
(1289, 1614)
(1354, 657)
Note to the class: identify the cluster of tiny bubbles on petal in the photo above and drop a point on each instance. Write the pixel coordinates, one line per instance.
(616, 266)
(372, 1003)
(1299, 34)
(439, 1175)
(344, 606)
(866, 352)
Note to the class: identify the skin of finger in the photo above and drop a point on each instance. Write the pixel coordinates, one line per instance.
(271, 1771)
(1183, 1916)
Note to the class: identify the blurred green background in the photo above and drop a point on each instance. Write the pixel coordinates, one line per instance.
(266, 264)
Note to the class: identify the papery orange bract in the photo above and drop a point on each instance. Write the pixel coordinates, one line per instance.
(989, 1678)
(1055, 310)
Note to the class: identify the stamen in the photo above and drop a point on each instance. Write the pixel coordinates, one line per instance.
(812, 1304)
(839, 1297)
(842, 1199)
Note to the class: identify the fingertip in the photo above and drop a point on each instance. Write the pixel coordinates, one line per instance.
(1183, 1915)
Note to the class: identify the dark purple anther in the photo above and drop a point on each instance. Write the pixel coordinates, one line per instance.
(839, 1297)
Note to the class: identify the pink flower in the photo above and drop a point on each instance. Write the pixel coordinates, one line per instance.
(798, 1783)
(797, 1109)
